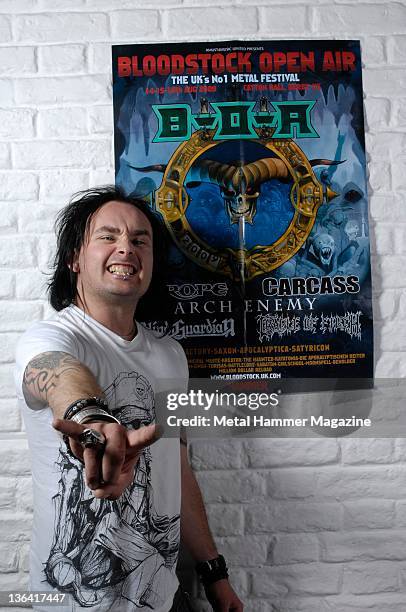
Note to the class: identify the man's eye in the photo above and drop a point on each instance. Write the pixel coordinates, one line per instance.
(109, 238)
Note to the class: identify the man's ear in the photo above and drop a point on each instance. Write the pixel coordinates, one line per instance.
(74, 264)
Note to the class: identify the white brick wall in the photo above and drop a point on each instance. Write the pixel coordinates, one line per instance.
(307, 525)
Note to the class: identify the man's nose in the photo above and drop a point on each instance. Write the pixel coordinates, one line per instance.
(125, 245)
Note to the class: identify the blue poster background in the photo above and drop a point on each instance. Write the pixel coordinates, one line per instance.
(258, 326)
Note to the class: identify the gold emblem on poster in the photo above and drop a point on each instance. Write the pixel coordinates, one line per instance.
(240, 188)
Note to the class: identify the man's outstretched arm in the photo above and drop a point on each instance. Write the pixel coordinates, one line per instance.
(56, 379)
(195, 533)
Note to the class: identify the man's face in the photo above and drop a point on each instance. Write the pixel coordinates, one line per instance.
(115, 261)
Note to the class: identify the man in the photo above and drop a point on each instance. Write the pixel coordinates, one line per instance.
(107, 497)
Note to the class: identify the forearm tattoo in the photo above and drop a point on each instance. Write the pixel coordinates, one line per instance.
(44, 371)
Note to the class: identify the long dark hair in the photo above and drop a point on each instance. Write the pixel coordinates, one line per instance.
(71, 226)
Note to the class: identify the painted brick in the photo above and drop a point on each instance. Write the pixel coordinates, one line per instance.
(371, 578)
(392, 337)
(16, 123)
(373, 50)
(380, 19)
(99, 58)
(381, 206)
(16, 6)
(295, 548)
(14, 527)
(5, 29)
(397, 50)
(7, 92)
(63, 153)
(8, 218)
(231, 487)
(300, 579)
(389, 365)
(7, 380)
(243, 550)
(357, 451)
(278, 20)
(331, 484)
(391, 272)
(8, 557)
(399, 113)
(6, 285)
(14, 582)
(221, 22)
(15, 457)
(61, 184)
(62, 122)
(13, 257)
(61, 27)
(292, 517)
(31, 286)
(104, 176)
(8, 343)
(54, 90)
(17, 60)
(37, 219)
(370, 546)
(7, 494)
(225, 519)
(384, 143)
(105, 4)
(271, 453)
(23, 556)
(216, 455)
(385, 305)
(46, 250)
(377, 112)
(380, 177)
(61, 4)
(100, 120)
(24, 495)
(17, 316)
(366, 515)
(62, 59)
(128, 24)
(5, 157)
(10, 417)
(385, 77)
(399, 171)
(18, 186)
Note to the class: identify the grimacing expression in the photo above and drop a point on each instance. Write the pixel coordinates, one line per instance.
(116, 258)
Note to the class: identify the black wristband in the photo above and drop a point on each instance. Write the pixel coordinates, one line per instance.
(85, 403)
(212, 570)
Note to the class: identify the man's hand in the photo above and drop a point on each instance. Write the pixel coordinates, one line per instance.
(222, 597)
(110, 471)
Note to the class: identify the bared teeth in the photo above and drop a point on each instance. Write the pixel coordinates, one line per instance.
(123, 270)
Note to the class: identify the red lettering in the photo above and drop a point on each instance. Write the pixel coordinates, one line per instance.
(348, 60)
(229, 62)
(124, 66)
(192, 63)
(265, 62)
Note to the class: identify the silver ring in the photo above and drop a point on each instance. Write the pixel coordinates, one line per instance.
(90, 438)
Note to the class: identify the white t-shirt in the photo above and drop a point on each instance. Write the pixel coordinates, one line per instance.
(107, 555)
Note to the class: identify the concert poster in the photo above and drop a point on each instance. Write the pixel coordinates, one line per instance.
(252, 155)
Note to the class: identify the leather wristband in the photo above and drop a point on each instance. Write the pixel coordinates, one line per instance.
(212, 570)
(80, 404)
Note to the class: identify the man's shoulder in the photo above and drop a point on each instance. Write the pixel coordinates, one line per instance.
(57, 330)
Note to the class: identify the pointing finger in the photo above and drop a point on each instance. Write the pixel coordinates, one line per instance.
(138, 439)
